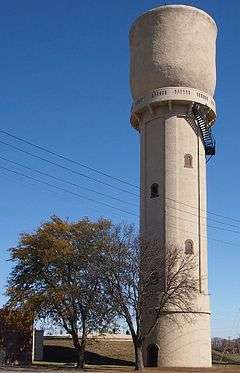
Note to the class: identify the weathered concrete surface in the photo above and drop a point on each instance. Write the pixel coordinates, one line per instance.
(173, 45)
(165, 139)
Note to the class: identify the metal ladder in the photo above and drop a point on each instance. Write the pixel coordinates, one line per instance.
(208, 139)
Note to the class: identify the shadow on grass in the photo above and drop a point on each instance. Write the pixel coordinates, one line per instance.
(59, 354)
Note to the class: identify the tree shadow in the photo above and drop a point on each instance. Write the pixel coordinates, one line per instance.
(60, 354)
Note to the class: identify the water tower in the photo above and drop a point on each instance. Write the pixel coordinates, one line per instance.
(173, 77)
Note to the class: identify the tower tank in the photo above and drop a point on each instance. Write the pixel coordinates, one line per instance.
(172, 46)
(172, 79)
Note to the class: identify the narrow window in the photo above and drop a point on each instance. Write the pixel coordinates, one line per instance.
(154, 190)
(154, 278)
(188, 247)
(188, 161)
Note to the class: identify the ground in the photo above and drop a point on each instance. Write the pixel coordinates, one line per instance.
(107, 356)
(104, 369)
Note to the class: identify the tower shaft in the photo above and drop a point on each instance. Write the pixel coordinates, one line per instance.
(173, 161)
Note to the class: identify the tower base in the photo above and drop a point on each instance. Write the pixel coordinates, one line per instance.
(179, 340)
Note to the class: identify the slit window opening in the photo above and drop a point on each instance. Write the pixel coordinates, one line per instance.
(154, 190)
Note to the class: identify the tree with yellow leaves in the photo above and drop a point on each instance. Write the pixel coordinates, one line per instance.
(56, 274)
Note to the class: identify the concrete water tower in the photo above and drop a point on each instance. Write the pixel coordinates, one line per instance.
(173, 78)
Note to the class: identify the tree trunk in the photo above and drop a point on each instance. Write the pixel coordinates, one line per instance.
(138, 355)
(79, 354)
(81, 358)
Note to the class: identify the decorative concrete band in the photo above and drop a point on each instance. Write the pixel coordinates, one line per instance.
(160, 95)
(185, 312)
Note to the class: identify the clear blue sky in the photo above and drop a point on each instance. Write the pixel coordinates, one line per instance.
(64, 70)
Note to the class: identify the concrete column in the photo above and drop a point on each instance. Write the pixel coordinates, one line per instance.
(38, 338)
(165, 139)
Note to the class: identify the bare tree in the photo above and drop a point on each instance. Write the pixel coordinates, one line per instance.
(136, 270)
